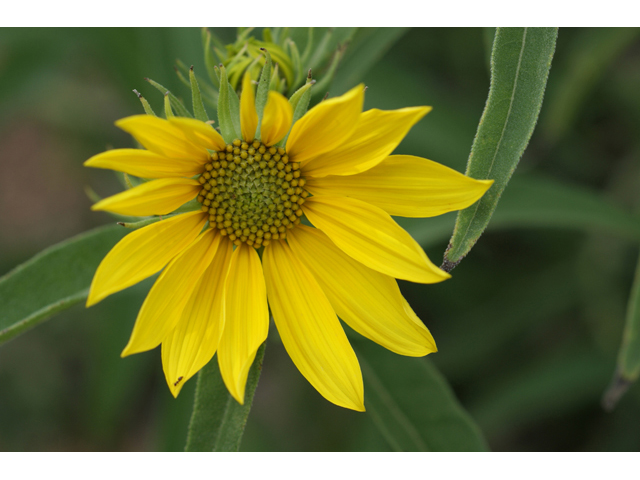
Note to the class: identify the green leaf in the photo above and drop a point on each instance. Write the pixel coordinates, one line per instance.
(628, 368)
(176, 103)
(520, 64)
(225, 114)
(262, 92)
(218, 421)
(300, 103)
(234, 108)
(415, 411)
(145, 104)
(196, 98)
(54, 280)
(168, 112)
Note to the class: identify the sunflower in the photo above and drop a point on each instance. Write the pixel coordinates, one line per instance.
(248, 247)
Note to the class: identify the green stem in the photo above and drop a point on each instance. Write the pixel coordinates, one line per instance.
(218, 421)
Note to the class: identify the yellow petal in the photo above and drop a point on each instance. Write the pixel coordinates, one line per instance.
(310, 331)
(325, 126)
(369, 235)
(248, 115)
(145, 164)
(277, 118)
(378, 133)
(161, 137)
(144, 252)
(157, 197)
(246, 319)
(163, 307)
(194, 340)
(368, 301)
(406, 186)
(199, 133)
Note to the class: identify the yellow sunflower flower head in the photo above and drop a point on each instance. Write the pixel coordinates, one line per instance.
(215, 290)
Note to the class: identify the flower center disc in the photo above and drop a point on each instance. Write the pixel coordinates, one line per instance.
(252, 193)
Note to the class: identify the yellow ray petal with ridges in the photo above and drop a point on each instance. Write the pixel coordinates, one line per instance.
(277, 118)
(309, 329)
(246, 319)
(369, 235)
(194, 340)
(325, 126)
(406, 186)
(157, 197)
(368, 301)
(248, 115)
(145, 164)
(199, 133)
(162, 309)
(144, 252)
(161, 137)
(377, 135)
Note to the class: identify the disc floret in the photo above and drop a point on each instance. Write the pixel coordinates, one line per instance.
(252, 192)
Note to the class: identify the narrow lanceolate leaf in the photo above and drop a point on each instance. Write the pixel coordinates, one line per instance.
(520, 64)
(218, 421)
(168, 112)
(225, 120)
(234, 108)
(196, 98)
(415, 411)
(628, 368)
(262, 92)
(54, 280)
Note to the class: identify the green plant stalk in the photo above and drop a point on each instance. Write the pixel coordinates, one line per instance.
(520, 63)
(218, 420)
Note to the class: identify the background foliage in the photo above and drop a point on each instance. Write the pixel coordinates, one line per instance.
(528, 329)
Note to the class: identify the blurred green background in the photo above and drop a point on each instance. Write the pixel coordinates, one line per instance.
(528, 328)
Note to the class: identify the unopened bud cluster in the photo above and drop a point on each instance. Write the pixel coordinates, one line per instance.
(252, 192)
